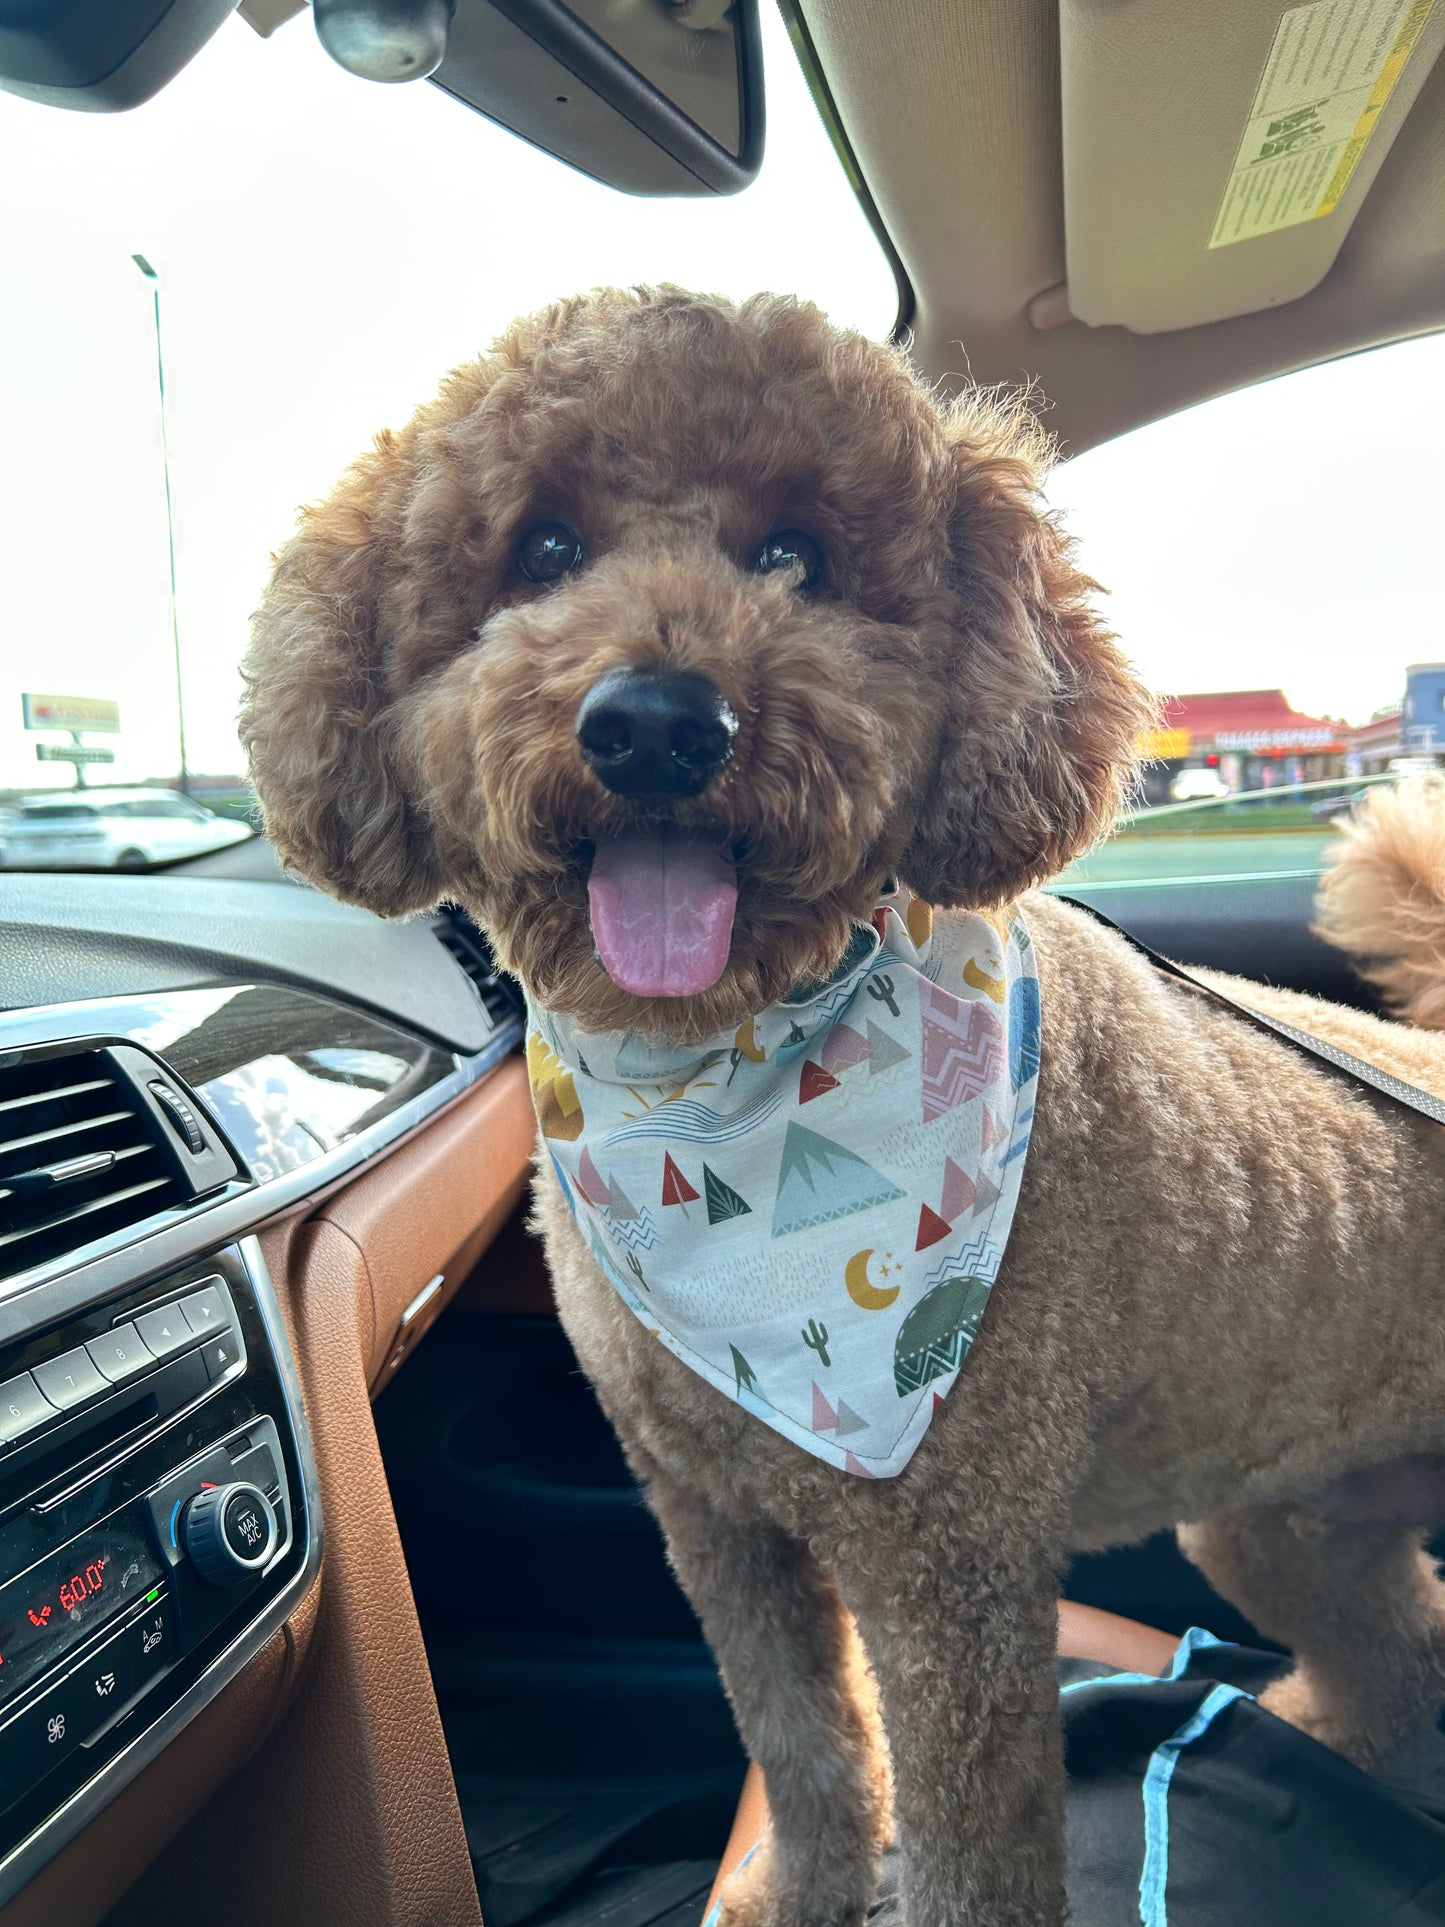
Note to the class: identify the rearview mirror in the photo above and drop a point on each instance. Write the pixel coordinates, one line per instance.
(649, 96)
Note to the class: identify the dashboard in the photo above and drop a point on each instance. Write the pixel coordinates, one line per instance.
(200, 1078)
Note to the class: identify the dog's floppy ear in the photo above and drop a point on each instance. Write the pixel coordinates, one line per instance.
(363, 596)
(1041, 715)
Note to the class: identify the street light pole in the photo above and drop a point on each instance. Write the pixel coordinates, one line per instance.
(155, 286)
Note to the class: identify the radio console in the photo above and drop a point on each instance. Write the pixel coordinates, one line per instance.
(157, 1521)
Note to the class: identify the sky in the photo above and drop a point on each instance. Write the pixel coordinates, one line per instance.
(328, 248)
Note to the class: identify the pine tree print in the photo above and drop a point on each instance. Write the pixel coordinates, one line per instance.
(743, 1372)
(722, 1201)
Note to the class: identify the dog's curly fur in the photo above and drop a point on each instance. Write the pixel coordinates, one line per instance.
(1220, 1300)
(1382, 895)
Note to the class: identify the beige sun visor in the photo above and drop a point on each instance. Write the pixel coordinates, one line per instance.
(1215, 156)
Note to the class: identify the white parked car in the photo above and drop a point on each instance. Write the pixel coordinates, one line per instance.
(1198, 785)
(110, 830)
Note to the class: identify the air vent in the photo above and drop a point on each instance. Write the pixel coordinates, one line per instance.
(465, 941)
(81, 1157)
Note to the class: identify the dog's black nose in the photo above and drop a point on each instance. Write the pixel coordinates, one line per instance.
(656, 732)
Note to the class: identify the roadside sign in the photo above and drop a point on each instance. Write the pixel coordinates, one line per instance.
(1164, 745)
(95, 715)
(72, 753)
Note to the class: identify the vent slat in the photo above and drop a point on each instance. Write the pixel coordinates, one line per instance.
(463, 941)
(51, 1097)
(7, 1145)
(112, 1159)
(78, 1121)
(83, 1210)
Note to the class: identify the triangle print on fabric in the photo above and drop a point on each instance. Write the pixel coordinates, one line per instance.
(958, 1190)
(722, 1201)
(622, 1209)
(589, 1182)
(675, 1187)
(815, 1082)
(819, 1181)
(931, 1228)
(883, 1051)
(988, 1191)
(843, 1049)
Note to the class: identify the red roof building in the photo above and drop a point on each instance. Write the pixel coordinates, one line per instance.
(1249, 722)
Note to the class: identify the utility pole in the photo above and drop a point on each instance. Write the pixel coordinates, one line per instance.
(155, 286)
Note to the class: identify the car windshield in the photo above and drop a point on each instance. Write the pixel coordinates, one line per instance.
(324, 249)
(311, 252)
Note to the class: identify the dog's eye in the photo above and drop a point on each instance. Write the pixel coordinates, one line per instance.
(791, 549)
(549, 551)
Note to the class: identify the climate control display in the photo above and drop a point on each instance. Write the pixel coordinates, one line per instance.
(57, 1603)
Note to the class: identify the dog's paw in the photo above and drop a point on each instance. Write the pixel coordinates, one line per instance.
(753, 1897)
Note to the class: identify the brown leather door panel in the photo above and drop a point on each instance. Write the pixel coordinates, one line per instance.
(435, 1205)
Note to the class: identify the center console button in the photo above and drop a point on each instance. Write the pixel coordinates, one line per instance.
(147, 1646)
(229, 1532)
(119, 1354)
(39, 1738)
(69, 1380)
(259, 1466)
(207, 1311)
(220, 1355)
(164, 1331)
(24, 1408)
(102, 1684)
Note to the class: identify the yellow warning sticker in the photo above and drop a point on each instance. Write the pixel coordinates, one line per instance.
(1331, 68)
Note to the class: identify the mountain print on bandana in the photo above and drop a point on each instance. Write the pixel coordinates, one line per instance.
(811, 1212)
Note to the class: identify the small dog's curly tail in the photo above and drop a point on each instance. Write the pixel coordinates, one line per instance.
(1382, 895)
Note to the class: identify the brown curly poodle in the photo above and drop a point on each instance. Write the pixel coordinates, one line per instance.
(1221, 1299)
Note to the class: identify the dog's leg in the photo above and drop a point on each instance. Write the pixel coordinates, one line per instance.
(961, 1636)
(1359, 1605)
(788, 1658)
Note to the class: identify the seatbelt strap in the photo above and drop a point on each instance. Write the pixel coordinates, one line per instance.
(1410, 1095)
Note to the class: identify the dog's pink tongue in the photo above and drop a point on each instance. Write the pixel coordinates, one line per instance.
(662, 911)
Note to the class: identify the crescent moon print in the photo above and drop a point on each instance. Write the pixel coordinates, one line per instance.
(865, 1296)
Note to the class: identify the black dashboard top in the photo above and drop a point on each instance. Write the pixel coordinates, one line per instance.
(87, 935)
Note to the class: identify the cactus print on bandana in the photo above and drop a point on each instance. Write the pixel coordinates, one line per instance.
(811, 1212)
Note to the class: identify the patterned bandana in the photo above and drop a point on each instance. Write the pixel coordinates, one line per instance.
(811, 1213)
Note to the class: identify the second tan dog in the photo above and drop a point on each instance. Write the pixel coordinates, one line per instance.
(1221, 1299)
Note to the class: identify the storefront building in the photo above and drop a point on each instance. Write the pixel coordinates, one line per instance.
(1412, 729)
(1253, 737)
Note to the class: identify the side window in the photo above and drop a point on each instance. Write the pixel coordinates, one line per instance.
(1269, 561)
